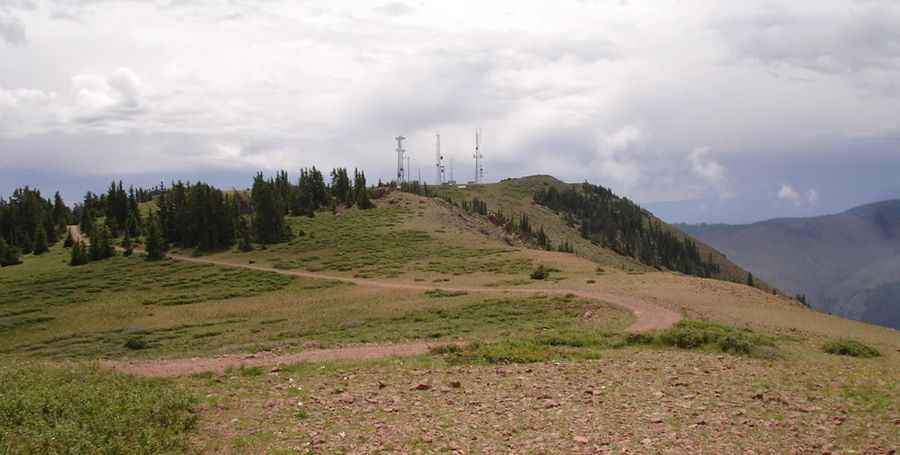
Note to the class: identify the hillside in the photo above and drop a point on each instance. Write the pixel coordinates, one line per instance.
(418, 326)
(847, 264)
(515, 196)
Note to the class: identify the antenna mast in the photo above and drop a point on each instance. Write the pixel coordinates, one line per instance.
(439, 160)
(479, 166)
(400, 153)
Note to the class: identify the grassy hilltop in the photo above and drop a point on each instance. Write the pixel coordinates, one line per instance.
(498, 358)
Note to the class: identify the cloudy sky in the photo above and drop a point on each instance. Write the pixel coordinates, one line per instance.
(700, 110)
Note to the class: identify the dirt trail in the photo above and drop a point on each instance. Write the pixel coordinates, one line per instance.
(75, 230)
(648, 317)
(181, 367)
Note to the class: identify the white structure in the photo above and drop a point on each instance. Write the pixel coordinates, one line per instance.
(401, 172)
(479, 164)
(439, 161)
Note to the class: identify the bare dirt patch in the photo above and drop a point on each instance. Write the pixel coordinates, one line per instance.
(182, 367)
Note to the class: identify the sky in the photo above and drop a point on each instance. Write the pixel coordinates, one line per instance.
(702, 111)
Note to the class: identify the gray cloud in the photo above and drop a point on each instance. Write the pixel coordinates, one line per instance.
(658, 106)
(12, 29)
(860, 39)
(395, 9)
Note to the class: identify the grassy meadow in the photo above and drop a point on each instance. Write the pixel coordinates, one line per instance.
(545, 371)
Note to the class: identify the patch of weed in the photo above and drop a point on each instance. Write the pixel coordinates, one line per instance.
(850, 347)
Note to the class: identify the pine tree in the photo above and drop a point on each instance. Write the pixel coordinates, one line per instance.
(101, 246)
(245, 242)
(154, 239)
(69, 239)
(127, 245)
(750, 279)
(9, 254)
(268, 220)
(360, 191)
(79, 254)
(40, 241)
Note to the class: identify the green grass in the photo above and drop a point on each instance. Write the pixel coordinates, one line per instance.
(165, 282)
(113, 307)
(86, 410)
(851, 348)
(377, 244)
(476, 319)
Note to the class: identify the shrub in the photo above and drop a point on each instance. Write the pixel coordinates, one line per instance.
(540, 273)
(736, 344)
(698, 334)
(136, 344)
(850, 347)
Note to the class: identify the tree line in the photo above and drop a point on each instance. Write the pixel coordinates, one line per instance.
(183, 214)
(30, 224)
(621, 225)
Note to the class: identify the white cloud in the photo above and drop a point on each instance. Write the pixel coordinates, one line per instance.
(788, 193)
(704, 166)
(280, 83)
(616, 156)
(812, 197)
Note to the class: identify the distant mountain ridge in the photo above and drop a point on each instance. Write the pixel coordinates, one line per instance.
(847, 263)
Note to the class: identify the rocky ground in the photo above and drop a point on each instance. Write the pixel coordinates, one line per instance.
(631, 401)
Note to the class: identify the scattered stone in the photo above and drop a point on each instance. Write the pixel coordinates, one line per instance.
(455, 384)
(581, 439)
(421, 386)
(276, 369)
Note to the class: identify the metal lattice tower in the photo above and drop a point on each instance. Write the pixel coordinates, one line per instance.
(439, 161)
(479, 165)
(400, 152)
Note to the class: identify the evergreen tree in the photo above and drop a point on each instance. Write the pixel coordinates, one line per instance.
(79, 254)
(360, 191)
(87, 219)
(9, 254)
(340, 186)
(61, 213)
(750, 279)
(40, 241)
(268, 220)
(245, 243)
(101, 246)
(127, 245)
(154, 239)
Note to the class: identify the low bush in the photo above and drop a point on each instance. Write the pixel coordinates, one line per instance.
(707, 335)
(540, 273)
(850, 347)
(136, 344)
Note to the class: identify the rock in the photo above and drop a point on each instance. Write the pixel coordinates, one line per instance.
(455, 384)
(347, 398)
(421, 386)
(581, 439)
(275, 369)
(312, 345)
(381, 385)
